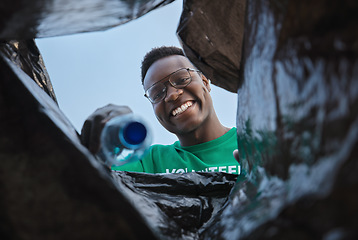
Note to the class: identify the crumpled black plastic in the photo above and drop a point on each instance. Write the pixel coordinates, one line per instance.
(26, 56)
(177, 206)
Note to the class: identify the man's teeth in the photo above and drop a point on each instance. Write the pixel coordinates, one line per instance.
(182, 108)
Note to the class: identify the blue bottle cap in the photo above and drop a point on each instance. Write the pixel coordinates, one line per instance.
(134, 133)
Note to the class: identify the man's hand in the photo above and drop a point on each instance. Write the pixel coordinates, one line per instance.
(93, 126)
(236, 155)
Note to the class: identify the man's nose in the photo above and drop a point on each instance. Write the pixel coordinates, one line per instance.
(173, 93)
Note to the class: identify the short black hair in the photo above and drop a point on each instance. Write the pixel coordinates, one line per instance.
(156, 54)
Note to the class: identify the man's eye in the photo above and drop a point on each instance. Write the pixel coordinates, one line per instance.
(182, 81)
(158, 94)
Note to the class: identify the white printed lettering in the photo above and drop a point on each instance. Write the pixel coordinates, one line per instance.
(232, 169)
(222, 169)
(228, 169)
(180, 171)
(212, 169)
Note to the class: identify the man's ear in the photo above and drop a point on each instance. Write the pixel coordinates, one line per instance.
(206, 82)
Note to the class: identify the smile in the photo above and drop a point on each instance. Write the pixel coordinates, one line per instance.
(182, 108)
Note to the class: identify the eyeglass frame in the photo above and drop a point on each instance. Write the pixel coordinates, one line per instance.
(166, 88)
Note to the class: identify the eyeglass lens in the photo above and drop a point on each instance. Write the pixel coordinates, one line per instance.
(178, 79)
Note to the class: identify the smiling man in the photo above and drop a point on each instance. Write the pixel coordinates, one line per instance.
(180, 96)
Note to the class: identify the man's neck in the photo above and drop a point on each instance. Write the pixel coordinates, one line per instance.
(204, 134)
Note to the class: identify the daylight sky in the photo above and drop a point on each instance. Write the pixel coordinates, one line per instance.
(91, 70)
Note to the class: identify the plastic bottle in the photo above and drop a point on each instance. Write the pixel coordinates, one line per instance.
(125, 139)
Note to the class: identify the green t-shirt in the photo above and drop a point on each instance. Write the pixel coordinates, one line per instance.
(212, 156)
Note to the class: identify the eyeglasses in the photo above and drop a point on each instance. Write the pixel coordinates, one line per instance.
(178, 79)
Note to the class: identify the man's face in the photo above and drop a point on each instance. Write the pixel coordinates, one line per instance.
(194, 100)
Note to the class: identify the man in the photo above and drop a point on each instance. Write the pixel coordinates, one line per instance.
(180, 96)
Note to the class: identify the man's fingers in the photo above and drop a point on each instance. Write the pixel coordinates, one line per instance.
(91, 132)
(85, 133)
(236, 155)
(95, 134)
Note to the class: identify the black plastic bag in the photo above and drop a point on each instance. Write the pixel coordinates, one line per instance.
(177, 206)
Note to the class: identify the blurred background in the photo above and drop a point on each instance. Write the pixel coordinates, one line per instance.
(90, 70)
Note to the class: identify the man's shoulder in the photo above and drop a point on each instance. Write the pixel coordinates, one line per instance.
(162, 147)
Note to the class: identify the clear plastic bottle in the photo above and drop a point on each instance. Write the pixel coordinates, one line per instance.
(124, 139)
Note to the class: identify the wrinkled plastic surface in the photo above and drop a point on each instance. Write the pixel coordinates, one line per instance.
(177, 206)
(211, 33)
(41, 18)
(25, 54)
(297, 124)
(51, 186)
(297, 131)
